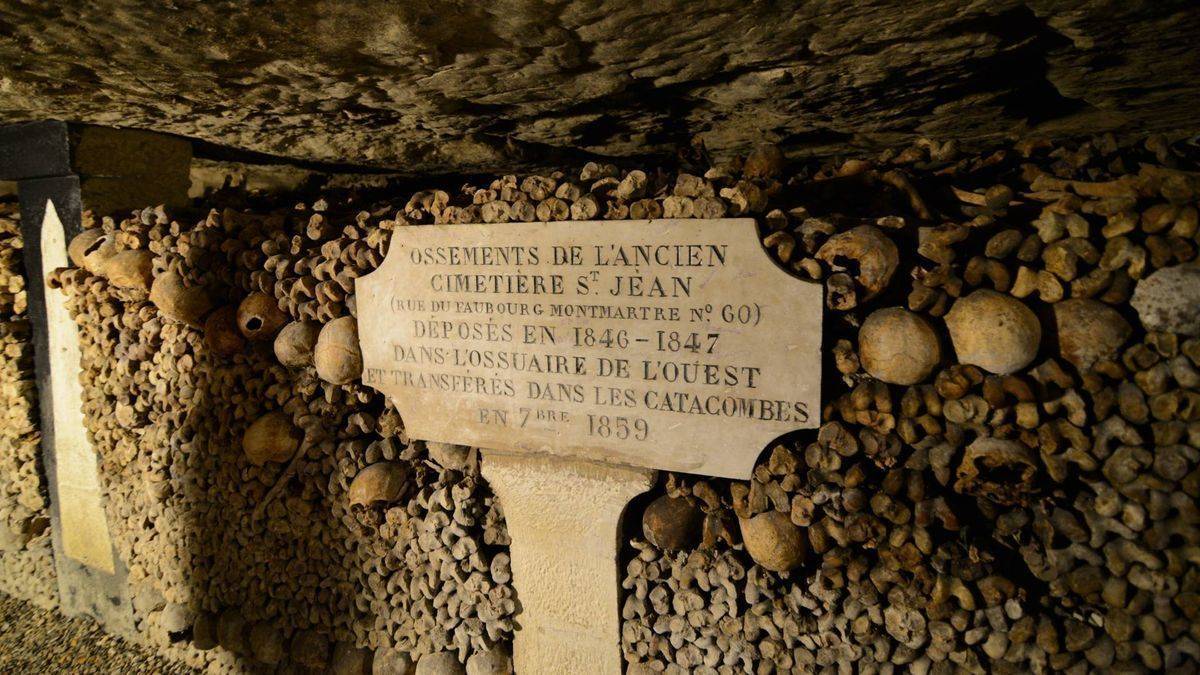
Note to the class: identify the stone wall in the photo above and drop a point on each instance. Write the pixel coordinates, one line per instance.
(26, 555)
(510, 85)
(1005, 478)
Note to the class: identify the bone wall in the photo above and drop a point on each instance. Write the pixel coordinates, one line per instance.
(26, 555)
(1005, 478)
(266, 515)
(1006, 475)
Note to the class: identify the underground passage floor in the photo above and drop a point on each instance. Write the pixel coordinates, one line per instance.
(35, 640)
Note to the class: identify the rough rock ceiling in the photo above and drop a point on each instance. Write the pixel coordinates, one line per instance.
(462, 86)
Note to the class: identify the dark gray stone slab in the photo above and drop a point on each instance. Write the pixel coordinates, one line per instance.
(34, 150)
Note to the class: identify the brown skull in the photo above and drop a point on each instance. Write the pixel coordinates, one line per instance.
(997, 469)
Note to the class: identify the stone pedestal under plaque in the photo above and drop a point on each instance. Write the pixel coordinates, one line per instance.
(581, 356)
(564, 517)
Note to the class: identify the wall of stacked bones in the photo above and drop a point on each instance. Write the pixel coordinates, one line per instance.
(26, 557)
(1005, 478)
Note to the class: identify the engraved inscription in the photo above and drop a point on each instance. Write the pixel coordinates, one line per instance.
(670, 344)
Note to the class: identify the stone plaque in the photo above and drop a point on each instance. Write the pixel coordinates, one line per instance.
(668, 344)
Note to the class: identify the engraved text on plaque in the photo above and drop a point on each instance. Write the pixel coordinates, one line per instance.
(669, 344)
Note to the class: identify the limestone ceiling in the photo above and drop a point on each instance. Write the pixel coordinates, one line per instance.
(486, 86)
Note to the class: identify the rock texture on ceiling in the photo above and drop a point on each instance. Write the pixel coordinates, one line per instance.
(465, 86)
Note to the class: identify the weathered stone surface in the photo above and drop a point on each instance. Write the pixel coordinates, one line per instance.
(82, 525)
(497, 85)
(563, 516)
(756, 329)
(1169, 299)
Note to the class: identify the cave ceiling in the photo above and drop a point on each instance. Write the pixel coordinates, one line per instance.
(423, 87)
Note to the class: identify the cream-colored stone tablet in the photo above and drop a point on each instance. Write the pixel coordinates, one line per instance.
(667, 344)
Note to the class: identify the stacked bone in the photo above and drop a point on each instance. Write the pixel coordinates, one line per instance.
(1006, 475)
(435, 568)
(265, 502)
(1004, 478)
(26, 558)
(602, 192)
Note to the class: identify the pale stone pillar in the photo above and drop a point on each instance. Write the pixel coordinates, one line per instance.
(564, 520)
(60, 172)
(81, 518)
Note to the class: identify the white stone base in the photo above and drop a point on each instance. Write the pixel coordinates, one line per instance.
(564, 518)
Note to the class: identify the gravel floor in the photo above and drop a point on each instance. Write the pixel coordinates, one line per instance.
(35, 641)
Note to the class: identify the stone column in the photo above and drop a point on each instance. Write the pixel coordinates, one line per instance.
(61, 171)
(564, 520)
(82, 523)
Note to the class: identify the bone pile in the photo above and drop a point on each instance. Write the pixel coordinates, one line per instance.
(1004, 481)
(1006, 475)
(269, 508)
(26, 555)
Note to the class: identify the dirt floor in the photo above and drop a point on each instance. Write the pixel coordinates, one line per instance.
(36, 641)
